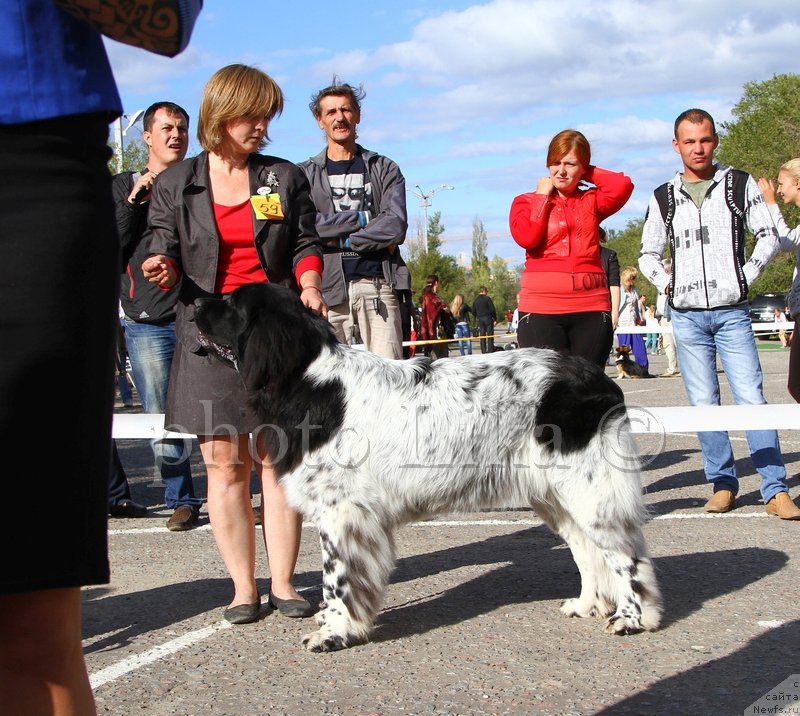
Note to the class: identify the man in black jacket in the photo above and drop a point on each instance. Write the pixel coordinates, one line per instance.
(487, 319)
(149, 320)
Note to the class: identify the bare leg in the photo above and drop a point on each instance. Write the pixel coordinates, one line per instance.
(42, 669)
(282, 527)
(228, 464)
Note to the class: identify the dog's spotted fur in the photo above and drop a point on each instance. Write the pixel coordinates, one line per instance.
(364, 445)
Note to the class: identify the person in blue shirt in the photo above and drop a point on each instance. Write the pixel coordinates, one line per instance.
(59, 288)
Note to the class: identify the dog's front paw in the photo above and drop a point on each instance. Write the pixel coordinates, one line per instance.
(576, 608)
(321, 641)
(622, 624)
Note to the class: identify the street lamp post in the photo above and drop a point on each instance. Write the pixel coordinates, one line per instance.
(425, 202)
(119, 133)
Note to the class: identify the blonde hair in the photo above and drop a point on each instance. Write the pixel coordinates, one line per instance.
(629, 273)
(792, 167)
(236, 92)
(455, 306)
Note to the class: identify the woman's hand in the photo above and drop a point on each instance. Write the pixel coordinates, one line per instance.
(311, 297)
(768, 190)
(544, 186)
(160, 271)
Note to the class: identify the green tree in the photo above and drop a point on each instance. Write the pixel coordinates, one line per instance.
(480, 262)
(765, 131)
(763, 134)
(134, 157)
(435, 231)
(503, 287)
(422, 264)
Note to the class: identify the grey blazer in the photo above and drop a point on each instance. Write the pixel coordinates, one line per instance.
(182, 227)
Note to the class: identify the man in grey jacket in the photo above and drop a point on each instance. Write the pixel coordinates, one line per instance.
(707, 292)
(360, 198)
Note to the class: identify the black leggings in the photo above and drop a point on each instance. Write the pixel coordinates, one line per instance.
(588, 334)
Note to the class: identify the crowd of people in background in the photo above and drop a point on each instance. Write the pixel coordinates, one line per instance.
(573, 296)
(330, 228)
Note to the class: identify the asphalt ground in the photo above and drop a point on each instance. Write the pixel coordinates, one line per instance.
(471, 623)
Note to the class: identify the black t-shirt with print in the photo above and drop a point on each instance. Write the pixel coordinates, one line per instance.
(351, 190)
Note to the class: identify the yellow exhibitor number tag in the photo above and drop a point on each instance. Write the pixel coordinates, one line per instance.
(267, 206)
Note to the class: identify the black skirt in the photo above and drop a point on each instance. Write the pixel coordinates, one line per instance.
(206, 396)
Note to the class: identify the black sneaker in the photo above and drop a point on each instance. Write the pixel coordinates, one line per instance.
(183, 518)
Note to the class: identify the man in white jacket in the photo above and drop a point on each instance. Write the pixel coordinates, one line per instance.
(707, 293)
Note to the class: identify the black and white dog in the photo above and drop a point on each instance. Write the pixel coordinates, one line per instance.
(364, 445)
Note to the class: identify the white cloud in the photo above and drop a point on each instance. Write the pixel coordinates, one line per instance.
(471, 96)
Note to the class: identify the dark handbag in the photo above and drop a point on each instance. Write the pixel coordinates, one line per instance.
(445, 326)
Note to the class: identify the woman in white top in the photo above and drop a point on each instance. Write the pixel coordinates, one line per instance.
(629, 316)
(788, 189)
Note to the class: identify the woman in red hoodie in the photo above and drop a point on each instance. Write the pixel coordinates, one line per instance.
(564, 300)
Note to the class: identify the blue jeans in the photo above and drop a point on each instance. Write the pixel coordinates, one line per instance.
(462, 331)
(699, 337)
(150, 349)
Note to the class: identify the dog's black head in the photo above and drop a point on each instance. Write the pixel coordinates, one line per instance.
(265, 331)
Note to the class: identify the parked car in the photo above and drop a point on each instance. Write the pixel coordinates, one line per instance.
(762, 309)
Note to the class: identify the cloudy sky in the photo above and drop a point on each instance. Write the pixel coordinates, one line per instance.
(469, 95)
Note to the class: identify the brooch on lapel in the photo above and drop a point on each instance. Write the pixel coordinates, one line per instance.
(266, 201)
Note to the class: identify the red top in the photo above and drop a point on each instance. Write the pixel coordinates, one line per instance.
(561, 237)
(430, 307)
(237, 262)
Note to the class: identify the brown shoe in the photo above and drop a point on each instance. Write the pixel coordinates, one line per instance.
(722, 501)
(183, 518)
(782, 506)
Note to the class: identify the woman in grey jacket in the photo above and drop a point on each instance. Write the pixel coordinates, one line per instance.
(223, 219)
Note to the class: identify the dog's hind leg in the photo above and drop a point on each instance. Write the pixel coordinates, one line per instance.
(357, 558)
(605, 506)
(592, 601)
(625, 575)
(624, 583)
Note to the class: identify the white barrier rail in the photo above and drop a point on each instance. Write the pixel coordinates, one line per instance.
(679, 419)
(758, 329)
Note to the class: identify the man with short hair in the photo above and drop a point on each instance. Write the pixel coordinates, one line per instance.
(150, 312)
(360, 198)
(486, 315)
(707, 295)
